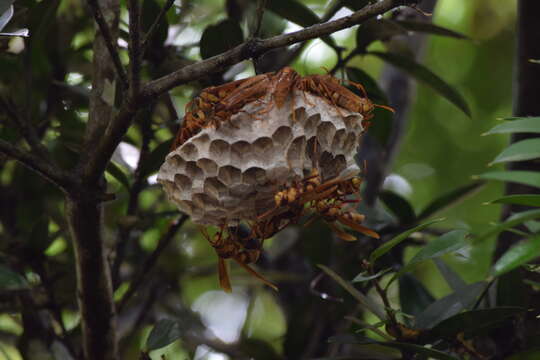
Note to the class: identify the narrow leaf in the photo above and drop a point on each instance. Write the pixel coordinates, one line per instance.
(473, 321)
(387, 246)
(530, 125)
(530, 178)
(517, 255)
(10, 280)
(413, 295)
(6, 16)
(444, 244)
(519, 151)
(399, 206)
(220, 37)
(449, 199)
(153, 161)
(429, 28)
(165, 332)
(20, 32)
(361, 298)
(363, 277)
(452, 278)
(527, 200)
(298, 13)
(4, 5)
(422, 73)
(115, 171)
(449, 306)
(512, 221)
(376, 29)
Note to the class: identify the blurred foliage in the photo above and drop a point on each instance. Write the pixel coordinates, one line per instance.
(426, 283)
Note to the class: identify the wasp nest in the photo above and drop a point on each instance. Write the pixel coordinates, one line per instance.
(227, 174)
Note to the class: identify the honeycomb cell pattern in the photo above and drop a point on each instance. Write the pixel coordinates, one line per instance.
(229, 174)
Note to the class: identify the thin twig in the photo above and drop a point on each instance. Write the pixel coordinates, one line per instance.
(151, 261)
(95, 165)
(134, 47)
(261, 4)
(154, 26)
(50, 172)
(109, 42)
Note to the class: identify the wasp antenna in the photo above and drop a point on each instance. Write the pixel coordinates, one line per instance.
(386, 107)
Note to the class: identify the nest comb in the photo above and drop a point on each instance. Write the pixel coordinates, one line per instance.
(228, 174)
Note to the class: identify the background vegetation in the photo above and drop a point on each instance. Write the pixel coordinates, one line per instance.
(146, 279)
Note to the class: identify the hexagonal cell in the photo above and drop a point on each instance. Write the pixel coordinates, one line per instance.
(185, 206)
(215, 188)
(299, 115)
(338, 141)
(183, 182)
(351, 142)
(201, 142)
(282, 136)
(177, 161)
(254, 176)
(240, 151)
(325, 134)
(229, 175)
(331, 166)
(208, 166)
(203, 200)
(353, 121)
(220, 151)
(193, 171)
(311, 124)
(189, 151)
(295, 153)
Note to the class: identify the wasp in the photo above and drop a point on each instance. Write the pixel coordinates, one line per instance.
(244, 250)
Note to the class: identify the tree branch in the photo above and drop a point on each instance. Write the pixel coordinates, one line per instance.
(134, 47)
(96, 164)
(109, 41)
(50, 172)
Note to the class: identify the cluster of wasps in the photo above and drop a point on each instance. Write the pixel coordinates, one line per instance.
(310, 196)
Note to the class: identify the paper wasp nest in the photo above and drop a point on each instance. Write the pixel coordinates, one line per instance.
(231, 173)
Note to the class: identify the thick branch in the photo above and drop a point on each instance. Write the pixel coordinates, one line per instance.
(50, 172)
(134, 47)
(101, 155)
(109, 40)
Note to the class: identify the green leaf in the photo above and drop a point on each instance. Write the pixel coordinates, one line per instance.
(473, 321)
(153, 161)
(449, 199)
(519, 151)
(420, 72)
(361, 298)
(452, 278)
(426, 27)
(413, 295)
(363, 277)
(525, 125)
(387, 246)
(530, 178)
(449, 306)
(165, 332)
(417, 349)
(444, 244)
(399, 206)
(376, 29)
(527, 200)
(512, 221)
(116, 172)
(10, 280)
(517, 255)
(220, 37)
(298, 13)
